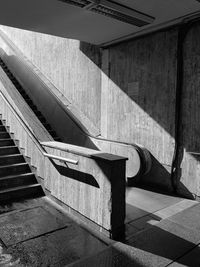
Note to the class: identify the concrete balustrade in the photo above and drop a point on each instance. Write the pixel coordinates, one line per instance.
(95, 187)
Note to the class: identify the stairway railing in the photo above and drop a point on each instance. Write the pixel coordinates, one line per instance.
(92, 184)
(139, 162)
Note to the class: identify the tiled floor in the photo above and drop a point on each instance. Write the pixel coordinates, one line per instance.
(161, 230)
(146, 208)
(34, 233)
(168, 235)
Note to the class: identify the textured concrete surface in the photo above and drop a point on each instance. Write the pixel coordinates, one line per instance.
(149, 201)
(35, 233)
(191, 259)
(189, 218)
(26, 224)
(163, 243)
(39, 233)
(153, 237)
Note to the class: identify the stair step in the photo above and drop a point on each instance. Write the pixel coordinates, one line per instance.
(17, 180)
(11, 159)
(4, 135)
(21, 192)
(2, 128)
(6, 142)
(13, 169)
(9, 150)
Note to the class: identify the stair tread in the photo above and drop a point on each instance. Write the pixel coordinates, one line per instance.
(8, 147)
(17, 176)
(13, 165)
(10, 155)
(19, 188)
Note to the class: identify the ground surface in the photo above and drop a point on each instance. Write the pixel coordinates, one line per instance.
(161, 230)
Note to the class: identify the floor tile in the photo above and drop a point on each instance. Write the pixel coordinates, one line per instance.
(191, 259)
(163, 243)
(145, 222)
(22, 225)
(149, 201)
(176, 208)
(133, 213)
(189, 218)
(130, 230)
(66, 245)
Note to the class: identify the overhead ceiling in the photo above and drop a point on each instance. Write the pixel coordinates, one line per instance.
(62, 19)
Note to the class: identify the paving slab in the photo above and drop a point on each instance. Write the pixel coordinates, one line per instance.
(189, 218)
(158, 246)
(12, 206)
(57, 249)
(22, 225)
(162, 244)
(149, 201)
(130, 230)
(191, 259)
(145, 222)
(133, 213)
(176, 208)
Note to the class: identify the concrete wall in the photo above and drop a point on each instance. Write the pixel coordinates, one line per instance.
(128, 92)
(65, 64)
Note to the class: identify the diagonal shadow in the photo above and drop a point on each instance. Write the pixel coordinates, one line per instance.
(80, 176)
(144, 70)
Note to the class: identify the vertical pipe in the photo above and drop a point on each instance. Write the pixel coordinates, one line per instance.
(178, 151)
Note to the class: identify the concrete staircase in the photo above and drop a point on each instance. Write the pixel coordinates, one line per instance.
(17, 180)
(29, 101)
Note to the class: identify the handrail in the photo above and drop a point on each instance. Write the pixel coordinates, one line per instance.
(193, 153)
(35, 72)
(40, 147)
(75, 162)
(23, 122)
(66, 107)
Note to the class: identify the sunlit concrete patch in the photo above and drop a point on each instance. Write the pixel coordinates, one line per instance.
(174, 209)
(22, 225)
(149, 201)
(58, 248)
(189, 218)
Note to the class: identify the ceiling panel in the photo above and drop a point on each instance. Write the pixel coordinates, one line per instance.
(61, 19)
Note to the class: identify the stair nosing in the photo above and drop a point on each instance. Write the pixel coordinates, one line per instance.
(10, 155)
(16, 176)
(9, 147)
(11, 165)
(16, 188)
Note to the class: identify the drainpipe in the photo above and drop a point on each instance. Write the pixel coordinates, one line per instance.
(184, 28)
